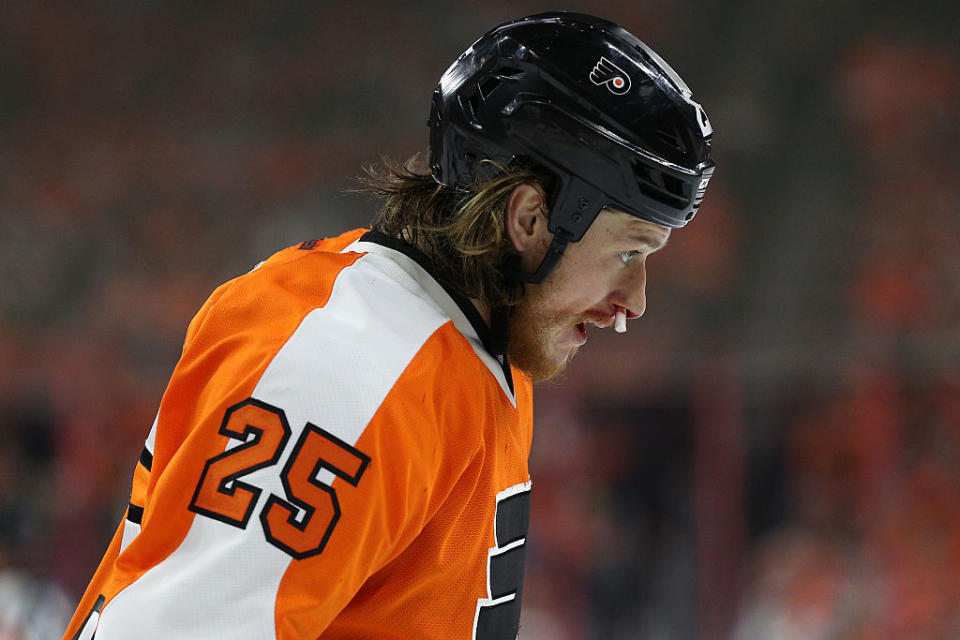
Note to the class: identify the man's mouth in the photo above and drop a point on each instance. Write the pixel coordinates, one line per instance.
(581, 332)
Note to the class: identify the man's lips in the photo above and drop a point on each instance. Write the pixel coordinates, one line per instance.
(581, 329)
(598, 320)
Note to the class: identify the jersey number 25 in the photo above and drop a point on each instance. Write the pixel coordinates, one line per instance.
(299, 523)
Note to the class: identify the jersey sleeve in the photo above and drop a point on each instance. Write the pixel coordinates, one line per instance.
(304, 439)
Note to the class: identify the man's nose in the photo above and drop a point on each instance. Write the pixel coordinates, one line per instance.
(634, 290)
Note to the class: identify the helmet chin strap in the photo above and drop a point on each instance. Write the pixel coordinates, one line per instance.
(576, 205)
(550, 260)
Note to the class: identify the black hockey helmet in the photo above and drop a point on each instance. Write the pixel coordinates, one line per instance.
(589, 102)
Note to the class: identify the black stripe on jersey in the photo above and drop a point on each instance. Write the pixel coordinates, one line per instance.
(97, 608)
(134, 513)
(513, 518)
(146, 459)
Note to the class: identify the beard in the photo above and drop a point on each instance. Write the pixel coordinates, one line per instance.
(532, 338)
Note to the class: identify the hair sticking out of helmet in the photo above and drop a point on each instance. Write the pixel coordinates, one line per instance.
(588, 102)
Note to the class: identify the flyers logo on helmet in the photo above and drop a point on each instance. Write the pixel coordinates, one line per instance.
(609, 74)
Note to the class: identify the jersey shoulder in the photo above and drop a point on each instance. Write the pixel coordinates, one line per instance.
(334, 244)
(277, 292)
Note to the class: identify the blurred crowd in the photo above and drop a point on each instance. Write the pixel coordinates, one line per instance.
(870, 546)
(776, 456)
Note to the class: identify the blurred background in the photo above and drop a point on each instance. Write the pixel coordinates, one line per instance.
(773, 451)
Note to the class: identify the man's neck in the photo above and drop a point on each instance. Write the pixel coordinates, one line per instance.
(482, 308)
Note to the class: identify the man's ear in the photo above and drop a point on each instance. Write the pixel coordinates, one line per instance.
(527, 222)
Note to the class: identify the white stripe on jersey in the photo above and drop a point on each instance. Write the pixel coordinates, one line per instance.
(369, 331)
(131, 529)
(151, 442)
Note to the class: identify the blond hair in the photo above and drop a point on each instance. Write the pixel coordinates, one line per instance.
(463, 230)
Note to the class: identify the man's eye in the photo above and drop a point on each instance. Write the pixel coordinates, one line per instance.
(627, 256)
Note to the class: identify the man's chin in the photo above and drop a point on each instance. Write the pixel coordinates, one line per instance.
(540, 366)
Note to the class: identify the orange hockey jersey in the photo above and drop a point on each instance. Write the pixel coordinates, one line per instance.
(340, 453)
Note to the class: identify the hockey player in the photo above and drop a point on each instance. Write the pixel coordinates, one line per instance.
(342, 449)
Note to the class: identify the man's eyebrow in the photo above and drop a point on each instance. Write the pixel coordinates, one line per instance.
(654, 242)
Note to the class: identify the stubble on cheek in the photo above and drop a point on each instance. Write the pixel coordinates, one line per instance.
(533, 342)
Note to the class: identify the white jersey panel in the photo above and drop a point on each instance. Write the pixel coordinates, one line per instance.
(334, 371)
(415, 276)
(130, 531)
(151, 441)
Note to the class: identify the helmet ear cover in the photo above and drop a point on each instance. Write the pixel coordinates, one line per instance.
(567, 222)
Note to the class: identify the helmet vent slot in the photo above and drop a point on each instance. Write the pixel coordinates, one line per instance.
(470, 105)
(659, 186)
(488, 86)
(670, 138)
(509, 73)
(495, 79)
